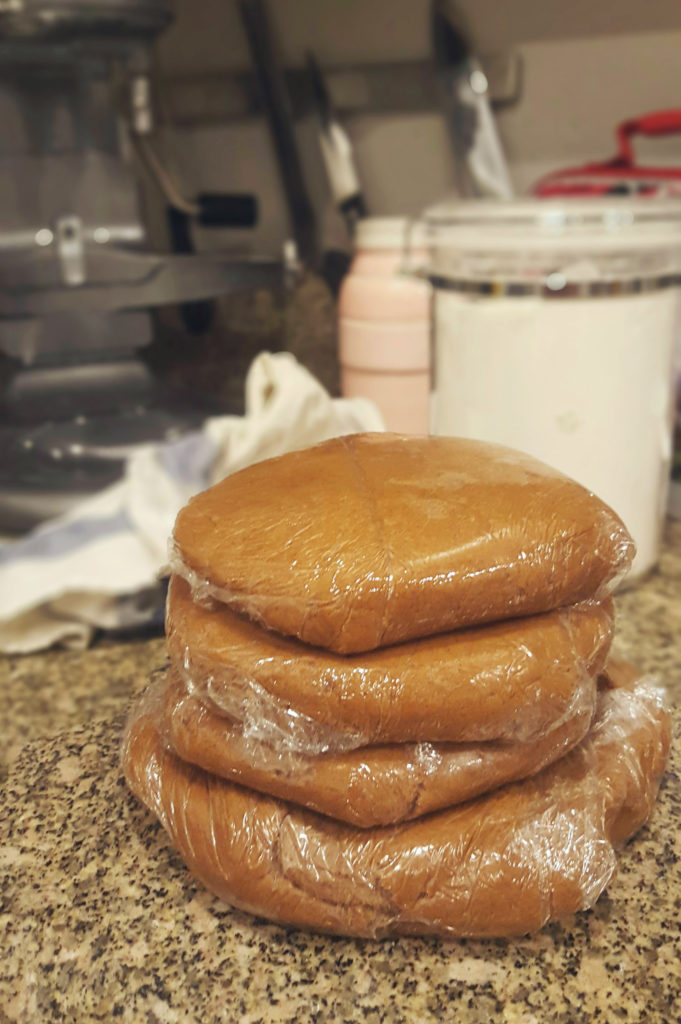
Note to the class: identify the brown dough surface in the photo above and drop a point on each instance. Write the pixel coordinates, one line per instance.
(380, 785)
(371, 539)
(511, 680)
(503, 864)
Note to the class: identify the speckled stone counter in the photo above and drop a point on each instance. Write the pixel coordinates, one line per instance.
(100, 921)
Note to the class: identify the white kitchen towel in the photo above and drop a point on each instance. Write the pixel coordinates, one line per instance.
(99, 566)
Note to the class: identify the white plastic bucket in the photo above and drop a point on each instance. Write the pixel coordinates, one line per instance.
(554, 332)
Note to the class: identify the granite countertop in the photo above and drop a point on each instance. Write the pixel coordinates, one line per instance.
(101, 921)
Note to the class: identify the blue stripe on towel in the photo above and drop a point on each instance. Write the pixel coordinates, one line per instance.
(189, 459)
(57, 541)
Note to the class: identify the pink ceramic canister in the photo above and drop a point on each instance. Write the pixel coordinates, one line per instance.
(384, 325)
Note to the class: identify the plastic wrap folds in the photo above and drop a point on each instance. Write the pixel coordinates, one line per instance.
(503, 864)
(367, 786)
(387, 708)
(509, 681)
(379, 538)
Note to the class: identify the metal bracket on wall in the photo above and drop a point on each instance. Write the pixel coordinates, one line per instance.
(389, 88)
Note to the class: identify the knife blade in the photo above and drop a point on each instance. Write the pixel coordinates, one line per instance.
(481, 168)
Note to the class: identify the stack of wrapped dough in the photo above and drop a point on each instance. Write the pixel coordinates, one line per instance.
(389, 706)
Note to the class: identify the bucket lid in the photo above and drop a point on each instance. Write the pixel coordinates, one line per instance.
(605, 223)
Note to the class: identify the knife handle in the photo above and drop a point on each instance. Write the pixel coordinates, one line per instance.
(225, 210)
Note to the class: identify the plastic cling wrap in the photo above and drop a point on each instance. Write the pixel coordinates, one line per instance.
(509, 681)
(368, 786)
(380, 538)
(503, 864)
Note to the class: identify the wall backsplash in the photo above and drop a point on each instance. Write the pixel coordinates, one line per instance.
(581, 76)
(575, 89)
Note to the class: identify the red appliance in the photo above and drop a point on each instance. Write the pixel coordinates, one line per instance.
(621, 175)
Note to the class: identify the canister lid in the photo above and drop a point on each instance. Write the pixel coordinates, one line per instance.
(554, 247)
(616, 222)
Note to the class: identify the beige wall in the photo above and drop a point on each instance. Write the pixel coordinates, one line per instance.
(586, 65)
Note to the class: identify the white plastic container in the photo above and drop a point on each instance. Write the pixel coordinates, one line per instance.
(554, 332)
(384, 327)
